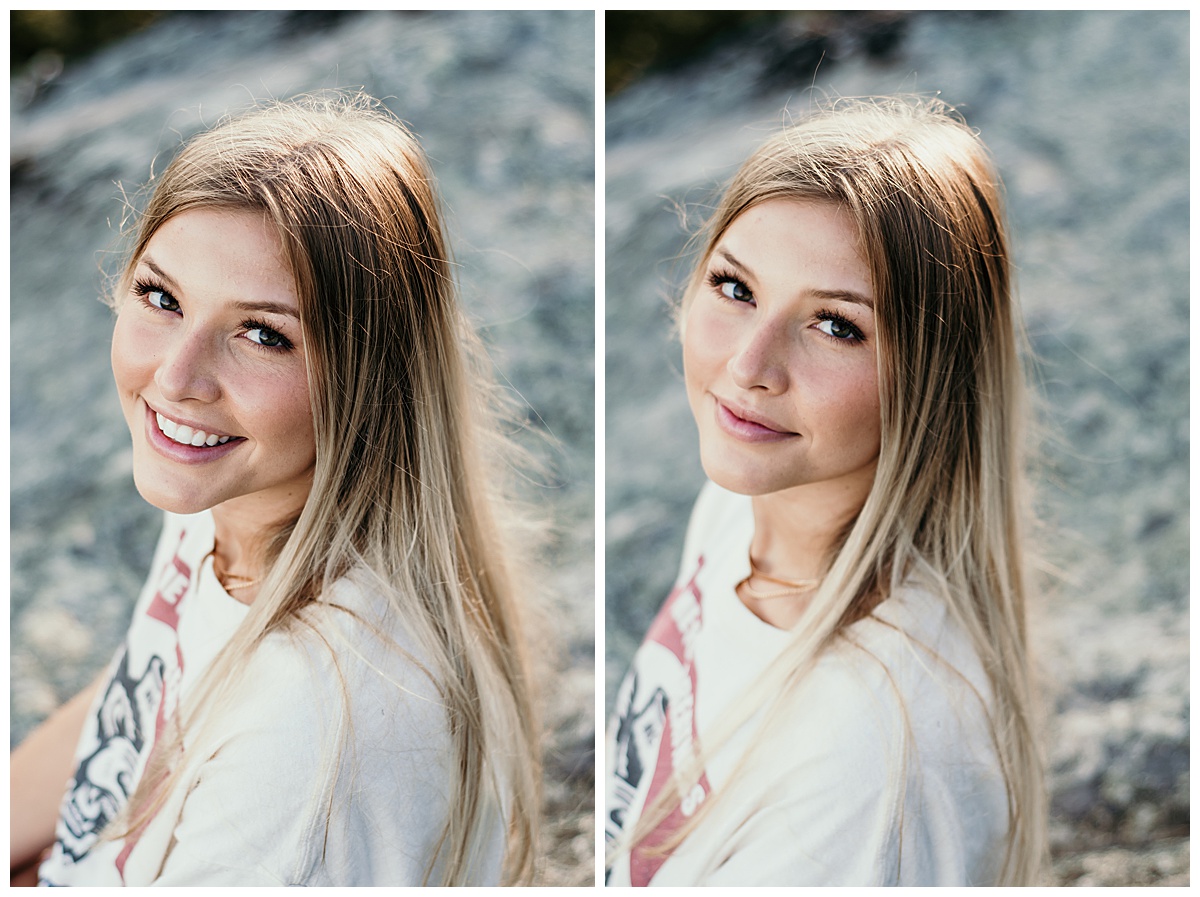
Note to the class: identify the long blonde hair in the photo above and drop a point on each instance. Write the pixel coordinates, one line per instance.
(947, 507)
(411, 468)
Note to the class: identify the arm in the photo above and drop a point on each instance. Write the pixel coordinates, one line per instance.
(38, 772)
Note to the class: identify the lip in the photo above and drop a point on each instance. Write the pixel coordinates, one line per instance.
(185, 454)
(748, 426)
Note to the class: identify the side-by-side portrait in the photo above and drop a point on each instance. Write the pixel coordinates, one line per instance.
(599, 448)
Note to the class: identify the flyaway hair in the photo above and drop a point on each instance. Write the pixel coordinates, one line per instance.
(948, 505)
(411, 487)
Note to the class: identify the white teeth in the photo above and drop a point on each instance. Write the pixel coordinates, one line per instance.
(167, 425)
(185, 435)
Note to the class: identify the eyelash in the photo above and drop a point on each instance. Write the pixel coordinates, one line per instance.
(856, 335)
(717, 278)
(142, 288)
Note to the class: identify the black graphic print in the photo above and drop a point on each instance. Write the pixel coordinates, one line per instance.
(105, 777)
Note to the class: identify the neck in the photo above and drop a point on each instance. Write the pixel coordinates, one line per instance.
(241, 538)
(795, 531)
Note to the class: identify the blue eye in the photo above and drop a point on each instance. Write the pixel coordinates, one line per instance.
(262, 335)
(159, 299)
(730, 287)
(155, 296)
(839, 328)
(736, 291)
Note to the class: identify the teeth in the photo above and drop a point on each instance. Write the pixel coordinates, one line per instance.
(185, 435)
(167, 425)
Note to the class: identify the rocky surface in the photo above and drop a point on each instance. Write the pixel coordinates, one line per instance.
(504, 105)
(1087, 116)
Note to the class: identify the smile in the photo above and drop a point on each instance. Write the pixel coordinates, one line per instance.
(185, 435)
(749, 426)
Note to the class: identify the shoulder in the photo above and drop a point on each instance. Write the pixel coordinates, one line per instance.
(908, 677)
(917, 654)
(327, 763)
(880, 769)
(906, 712)
(347, 659)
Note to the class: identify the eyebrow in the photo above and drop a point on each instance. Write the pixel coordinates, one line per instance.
(832, 295)
(261, 305)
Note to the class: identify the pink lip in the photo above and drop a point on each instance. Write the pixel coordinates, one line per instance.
(748, 426)
(185, 454)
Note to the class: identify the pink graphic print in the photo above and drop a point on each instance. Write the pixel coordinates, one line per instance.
(675, 628)
(175, 580)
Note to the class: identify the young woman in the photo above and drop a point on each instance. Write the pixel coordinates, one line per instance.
(325, 680)
(837, 690)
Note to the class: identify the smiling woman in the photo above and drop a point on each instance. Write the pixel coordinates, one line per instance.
(325, 681)
(781, 372)
(217, 402)
(785, 372)
(837, 690)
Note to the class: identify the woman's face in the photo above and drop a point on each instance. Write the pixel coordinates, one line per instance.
(779, 354)
(209, 363)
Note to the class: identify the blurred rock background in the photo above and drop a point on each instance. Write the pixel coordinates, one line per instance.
(504, 106)
(1087, 116)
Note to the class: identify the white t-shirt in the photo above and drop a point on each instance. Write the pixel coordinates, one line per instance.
(883, 771)
(278, 796)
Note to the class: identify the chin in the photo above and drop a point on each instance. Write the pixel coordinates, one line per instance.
(170, 500)
(742, 481)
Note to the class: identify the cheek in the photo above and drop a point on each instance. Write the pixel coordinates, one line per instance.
(860, 402)
(131, 362)
(844, 396)
(301, 423)
(284, 411)
(705, 344)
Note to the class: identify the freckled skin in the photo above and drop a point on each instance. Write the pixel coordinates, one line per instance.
(188, 353)
(773, 343)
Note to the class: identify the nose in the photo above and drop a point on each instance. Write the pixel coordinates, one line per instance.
(760, 361)
(187, 368)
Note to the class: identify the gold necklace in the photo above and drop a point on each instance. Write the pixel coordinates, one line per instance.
(793, 586)
(240, 582)
(230, 581)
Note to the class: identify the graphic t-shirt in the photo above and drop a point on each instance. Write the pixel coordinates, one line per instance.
(182, 619)
(882, 771)
(328, 764)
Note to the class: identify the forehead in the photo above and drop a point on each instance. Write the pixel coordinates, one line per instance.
(812, 244)
(222, 253)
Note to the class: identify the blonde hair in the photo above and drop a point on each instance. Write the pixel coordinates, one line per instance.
(947, 506)
(411, 467)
